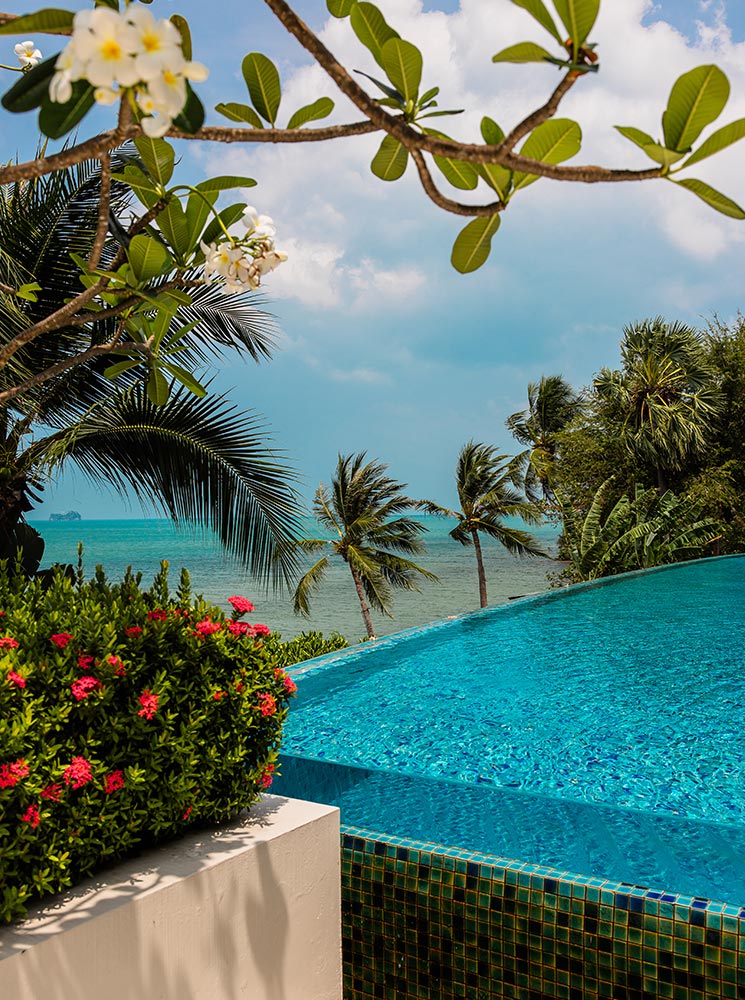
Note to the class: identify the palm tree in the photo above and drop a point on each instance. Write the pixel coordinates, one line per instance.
(365, 510)
(199, 461)
(665, 395)
(552, 406)
(635, 532)
(486, 493)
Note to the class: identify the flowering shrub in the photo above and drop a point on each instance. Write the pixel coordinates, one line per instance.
(123, 720)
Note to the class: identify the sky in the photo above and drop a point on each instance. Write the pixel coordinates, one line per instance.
(383, 346)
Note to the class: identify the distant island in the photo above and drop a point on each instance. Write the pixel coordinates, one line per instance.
(70, 515)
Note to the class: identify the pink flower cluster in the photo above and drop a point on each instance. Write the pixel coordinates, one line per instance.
(52, 792)
(116, 663)
(6, 642)
(219, 695)
(85, 686)
(207, 627)
(78, 773)
(11, 774)
(86, 660)
(16, 679)
(241, 605)
(133, 630)
(237, 628)
(267, 704)
(60, 639)
(260, 629)
(113, 782)
(32, 816)
(267, 776)
(158, 615)
(149, 702)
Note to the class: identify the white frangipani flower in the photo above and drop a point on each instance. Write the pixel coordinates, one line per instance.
(158, 44)
(28, 54)
(68, 69)
(105, 44)
(241, 264)
(258, 226)
(106, 95)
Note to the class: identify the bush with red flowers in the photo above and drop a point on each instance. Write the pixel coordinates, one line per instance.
(126, 716)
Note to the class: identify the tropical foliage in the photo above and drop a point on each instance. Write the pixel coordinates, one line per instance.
(366, 512)
(194, 457)
(487, 495)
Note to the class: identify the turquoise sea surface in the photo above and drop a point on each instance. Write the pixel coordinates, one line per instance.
(143, 543)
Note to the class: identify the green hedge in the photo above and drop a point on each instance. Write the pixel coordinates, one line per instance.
(125, 717)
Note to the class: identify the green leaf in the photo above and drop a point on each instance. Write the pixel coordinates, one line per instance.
(157, 388)
(578, 17)
(239, 113)
(538, 11)
(371, 28)
(28, 292)
(31, 88)
(228, 217)
(172, 223)
(56, 120)
(464, 176)
(655, 151)
(428, 95)
(140, 183)
(321, 108)
(147, 257)
(198, 210)
(402, 62)
(225, 183)
(49, 21)
(697, 99)
(262, 80)
(185, 31)
(550, 142)
(497, 177)
(523, 52)
(393, 94)
(473, 245)
(340, 8)
(718, 140)
(186, 378)
(491, 133)
(389, 163)
(158, 157)
(714, 198)
(114, 371)
(191, 117)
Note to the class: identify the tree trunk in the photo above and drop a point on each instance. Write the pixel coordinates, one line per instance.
(363, 603)
(480, 564)
(661, 480)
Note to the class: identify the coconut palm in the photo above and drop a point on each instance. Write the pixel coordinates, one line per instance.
(366, 511)
(665, 395)
(487, 495)
(552, 406)
(199, 461)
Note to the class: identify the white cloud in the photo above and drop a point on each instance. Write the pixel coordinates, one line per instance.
(367, 376)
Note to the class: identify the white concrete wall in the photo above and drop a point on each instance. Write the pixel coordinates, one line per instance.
(249, 911)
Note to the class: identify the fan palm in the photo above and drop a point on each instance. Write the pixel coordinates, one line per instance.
(486, 493)
(665, 395)
(197, 460)
(366, 512)
(552, 405)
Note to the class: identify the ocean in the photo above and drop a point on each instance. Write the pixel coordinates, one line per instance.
(143, 543)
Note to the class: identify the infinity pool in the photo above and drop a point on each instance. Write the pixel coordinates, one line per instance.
(600, 729)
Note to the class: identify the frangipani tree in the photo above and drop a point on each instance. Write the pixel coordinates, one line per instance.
(120, 54)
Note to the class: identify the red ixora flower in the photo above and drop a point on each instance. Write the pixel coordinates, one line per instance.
(133, 630)
(78, 773)
(86, 661)
(218, 695)
(238, 628)
(241, 605)
(16, 679)
(207, 627)
(267, 704)
(116, 663)
(267, 776)
(60, 639)
(32, 817)
(10, 774)
(52, 792)
(260, 629)
(6, 642)
(113, 782)
(290, 685)
(187, 813)
(158, 615)
(149, 702)
(84, 686)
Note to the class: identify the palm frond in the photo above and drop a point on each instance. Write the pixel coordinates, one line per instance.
(308, 585)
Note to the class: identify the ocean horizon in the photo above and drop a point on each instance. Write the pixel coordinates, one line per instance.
(143, 543)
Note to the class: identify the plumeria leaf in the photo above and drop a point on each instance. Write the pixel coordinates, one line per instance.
(31, 88)
(227, 217)
(340, 8)
(158, 157)
(718, 140)
(473, 245)
(198, 210)
(114, 371)
(371, 28)
(497, 177)
(491, 133)
(56, 120)
(147, 258)
(28, 292)
(389, 163)
(402, 62)
(239, 113)
(714, 198)
(191, 117)
(655, 151)
(157, 388)
(428, 95)
(394, 95)
(262, 80)
(442, 114)
(49, 21)
(697, 99)
(224, 183)
(185, 31)
(537, 10)
(523, 52)
(140, 183)
(578, 17)
(550, 142)
(458, 173)
(186, 378)
(321, 108)
(173, 225)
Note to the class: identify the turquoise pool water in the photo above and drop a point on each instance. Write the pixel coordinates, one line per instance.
(601, 729)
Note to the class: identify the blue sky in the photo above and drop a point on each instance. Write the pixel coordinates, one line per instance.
(384, 347)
